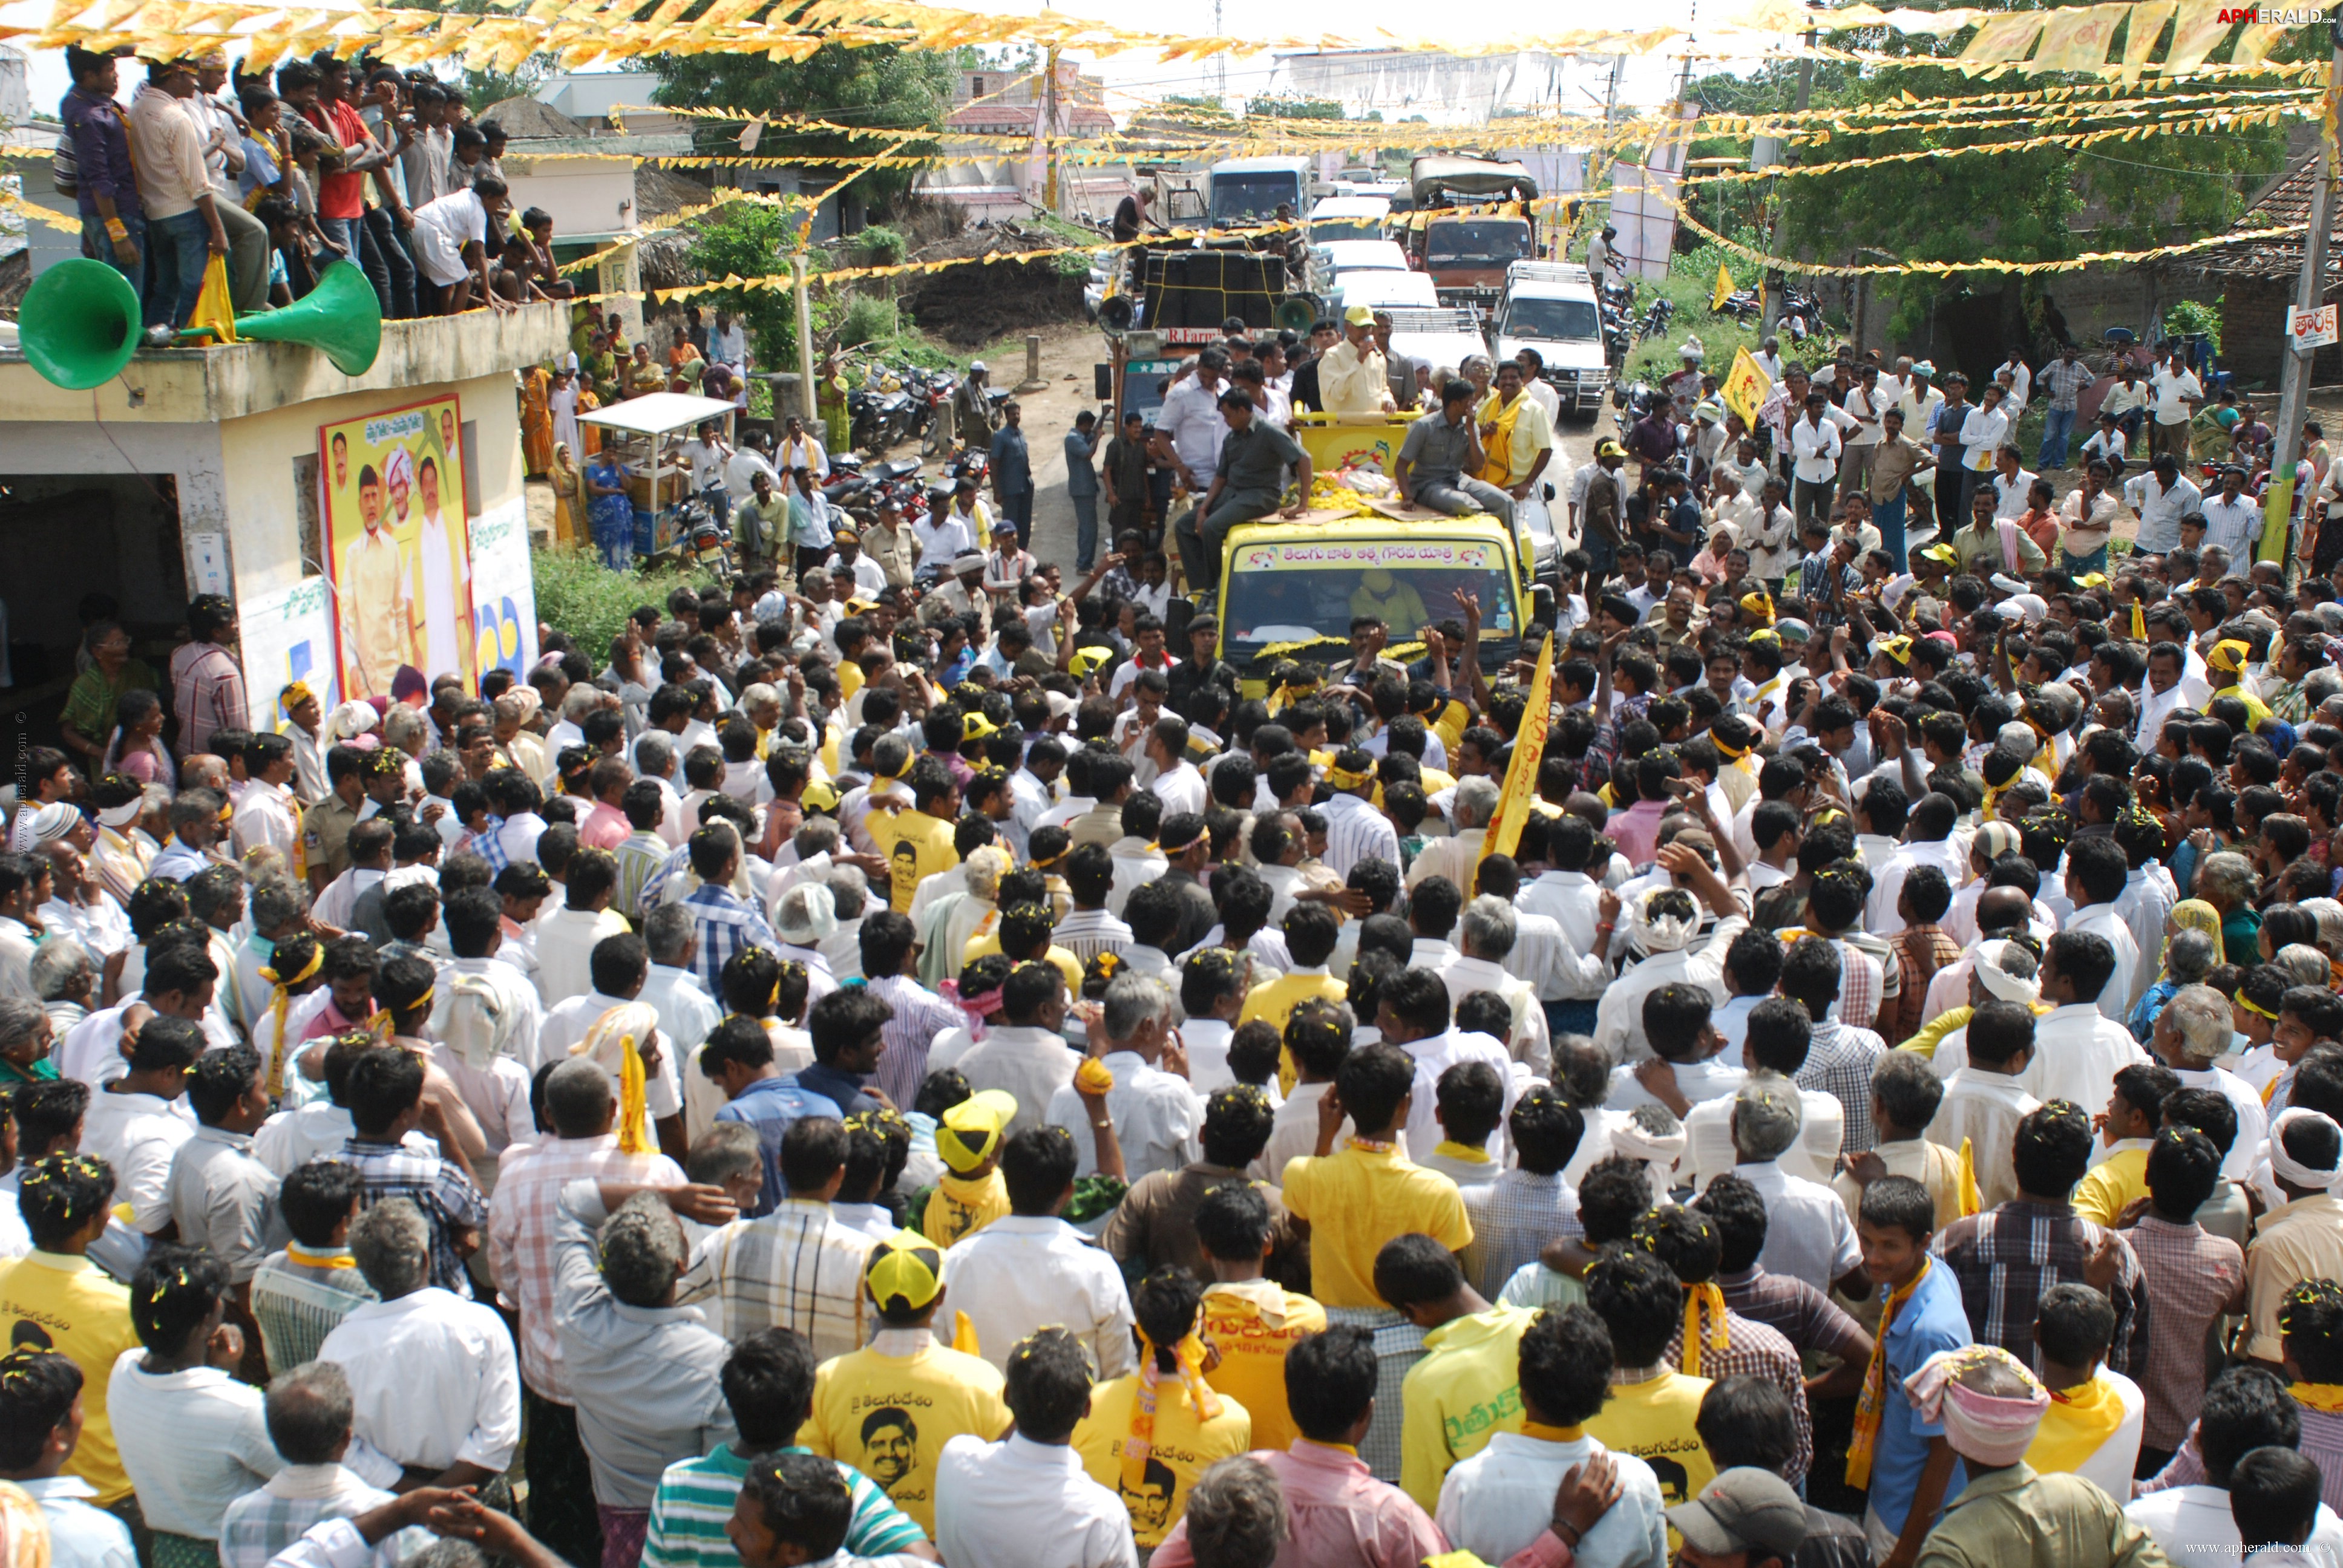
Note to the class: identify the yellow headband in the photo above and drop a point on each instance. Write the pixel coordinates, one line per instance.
(2255, 1009)
(2229, 655)
(283, 1005)
(1725, 748)
(1343, 778)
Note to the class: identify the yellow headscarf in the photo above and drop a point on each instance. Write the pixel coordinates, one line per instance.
(615, 1044)
(2229, 656)
(284, 985)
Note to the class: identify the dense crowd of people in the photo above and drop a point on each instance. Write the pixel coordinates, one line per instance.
(327, 159)
(911, 1066)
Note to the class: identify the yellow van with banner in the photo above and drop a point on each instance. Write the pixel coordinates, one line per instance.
(1290, 589)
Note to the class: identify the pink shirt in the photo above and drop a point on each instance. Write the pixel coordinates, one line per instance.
(1341, 1516)
(1636, 831)
(604, 828)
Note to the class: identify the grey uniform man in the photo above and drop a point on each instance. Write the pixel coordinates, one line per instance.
(1441, 455)
(1247, 485)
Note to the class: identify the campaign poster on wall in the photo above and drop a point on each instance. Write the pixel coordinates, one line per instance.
(504, 590)
(288, 635)
(397, 545)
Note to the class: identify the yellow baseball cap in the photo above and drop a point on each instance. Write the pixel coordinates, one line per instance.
(906, 1271)
(1086, 659)
(818, 796)
(1358, 316)
(968, 1134)
(976, 727)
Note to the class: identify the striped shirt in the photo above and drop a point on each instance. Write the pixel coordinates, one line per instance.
(1356, 831)
(1086, 933)
(795, 1268)
(260, 1524)
(726, 925)
(2321, 1443)
(695, 1500)
(207, 693)
(641, 858)
(297, 1297)
(1513, 1217)
(921, 1015)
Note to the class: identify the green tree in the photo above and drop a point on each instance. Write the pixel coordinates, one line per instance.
(883, 88)
(1294, 109)
(752, 239)
(2017, 205)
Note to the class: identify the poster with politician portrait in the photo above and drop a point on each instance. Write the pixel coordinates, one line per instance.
(397, 546)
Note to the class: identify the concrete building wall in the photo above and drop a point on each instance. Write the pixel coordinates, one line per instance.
(273, 455)
(585, 196)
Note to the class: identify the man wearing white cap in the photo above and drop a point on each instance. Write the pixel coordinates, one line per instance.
(2301, 1238)
(1352, 374)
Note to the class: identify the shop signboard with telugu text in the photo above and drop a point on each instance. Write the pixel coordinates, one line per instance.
(397, 546)
(2310, 329)
(504, 590)
(288, 635)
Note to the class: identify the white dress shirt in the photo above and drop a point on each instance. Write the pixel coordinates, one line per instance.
(1817, 447)
(1435, 1055)
(1500, 1501)
(434, 1377)
(1024, 1272)
(138, 1134)
(1807, 1232)
(1158, 1118)
(1619, 1020)
(1983, 1110)
(2194, 1524)
(1708, 1139)
(193, 1442)
(2253, 1116)
(1029, 1062)
(1018, 1503)
(1573, 900)
(2077, 1051)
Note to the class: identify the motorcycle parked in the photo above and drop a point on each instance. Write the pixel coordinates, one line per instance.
(1656, 320)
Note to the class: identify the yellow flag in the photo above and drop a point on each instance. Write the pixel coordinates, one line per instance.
(1723, 289)
(2277, 509)
(214, 307)
(1746, 387)
(2077, 38)
(1529, 750)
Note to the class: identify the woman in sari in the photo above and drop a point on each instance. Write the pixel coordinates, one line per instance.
(611, 510)
(535, 421)
(568, 496)
(138, 749)
(91, 711)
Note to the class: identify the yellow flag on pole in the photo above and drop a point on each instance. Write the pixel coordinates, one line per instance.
(1529, 750)
(1723, 289)
(1746, 387)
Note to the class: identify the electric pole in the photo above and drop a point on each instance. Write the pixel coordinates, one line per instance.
(1777, 283)
(1220, 61)
(2309, 289)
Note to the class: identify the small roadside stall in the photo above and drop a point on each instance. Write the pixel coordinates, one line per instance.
(649, 433)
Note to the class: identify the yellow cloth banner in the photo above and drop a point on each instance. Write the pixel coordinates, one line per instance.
(2201, 27)
(1529, 750)
(1746, 387)
(1723, 289)
(2077, 38)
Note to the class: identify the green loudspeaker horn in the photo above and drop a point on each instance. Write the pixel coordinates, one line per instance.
(341, 319)
(79, 323)
(1296, 313)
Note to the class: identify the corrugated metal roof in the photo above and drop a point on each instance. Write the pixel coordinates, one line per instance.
(2283, 201)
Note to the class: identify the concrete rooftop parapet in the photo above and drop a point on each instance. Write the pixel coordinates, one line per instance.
(207, 385)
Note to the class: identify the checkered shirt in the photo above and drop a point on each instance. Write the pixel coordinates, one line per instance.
(260, 1524)
(521, 1218)
(488, 844)
(796, 1268)
(2197, 1277)
(726, 925)
(1810, 1321)
(1920, 952)
(445, 1195)
(1513, 1217)
(1753, 1350)
(1399, 1345)
(1839, 1062)
(2008, 1257)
